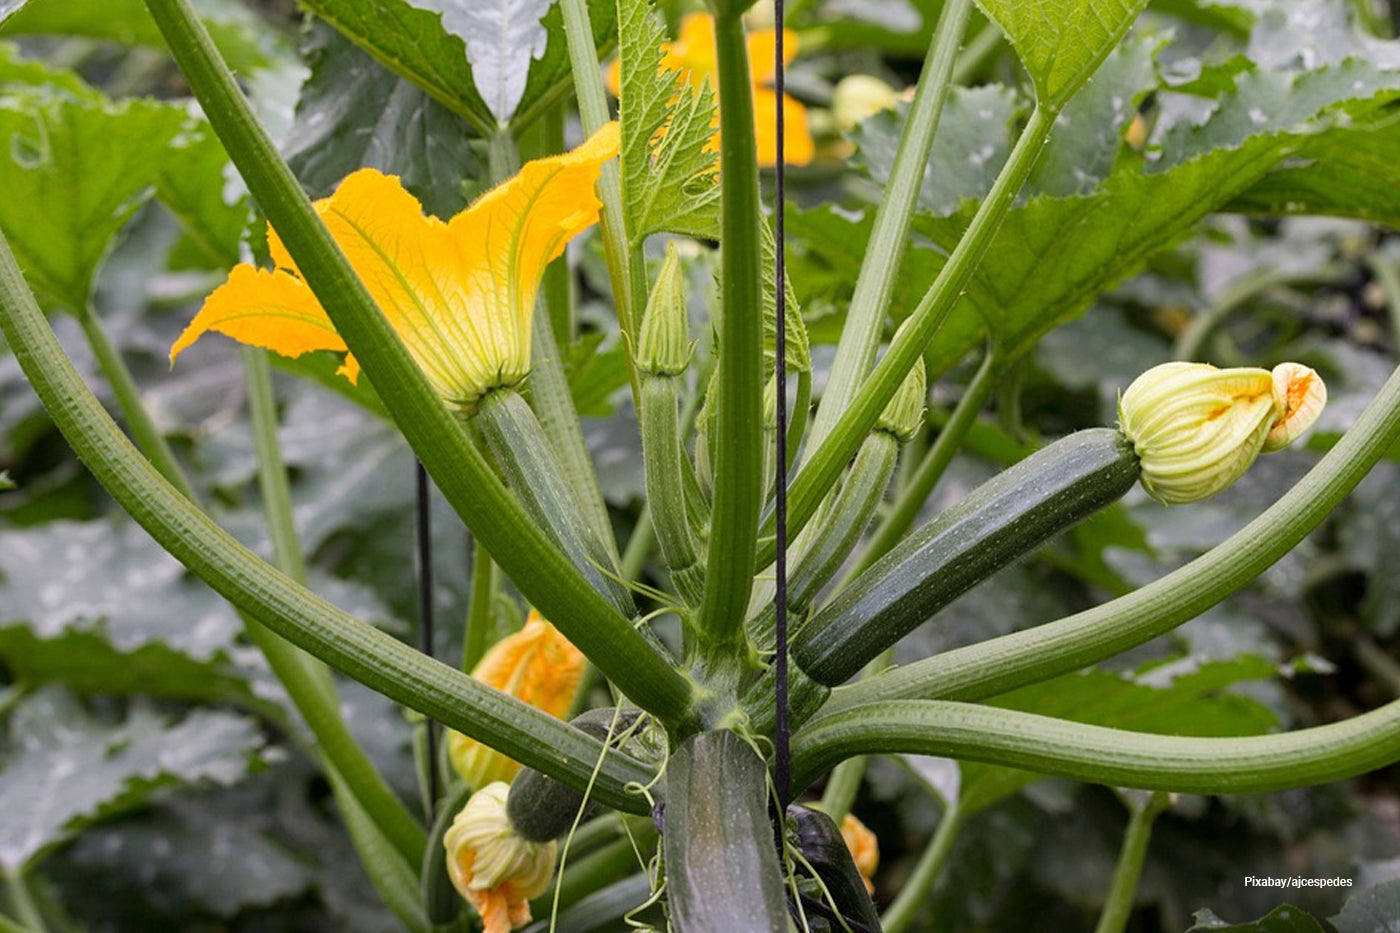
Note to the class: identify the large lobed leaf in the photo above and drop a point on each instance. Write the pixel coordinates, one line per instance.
(68, 769)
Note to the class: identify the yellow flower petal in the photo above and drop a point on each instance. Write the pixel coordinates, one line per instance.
(1300, 394)
(461, 296)
(272, 310)
(798, 148)
(536, 664)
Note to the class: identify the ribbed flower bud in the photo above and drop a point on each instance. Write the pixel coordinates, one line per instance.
(904, 414)
(491, 865)
(663, 344)
(857, 97)
(536, 664)
(1196, 428)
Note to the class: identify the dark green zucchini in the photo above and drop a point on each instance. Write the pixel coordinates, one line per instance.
(1001, 520)
(825, 853)
(541, 808)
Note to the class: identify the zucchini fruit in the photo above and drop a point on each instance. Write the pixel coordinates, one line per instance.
(1001, 520)
(541, 808)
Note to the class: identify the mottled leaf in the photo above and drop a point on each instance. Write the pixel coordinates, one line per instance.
(63, 769)
(353, 112)
(1283, 919)
(1373, 910)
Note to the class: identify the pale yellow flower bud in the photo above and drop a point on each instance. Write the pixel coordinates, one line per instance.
(492, 866)
(865, 848)
(536, 664)
(857, 97)
(1196, 428)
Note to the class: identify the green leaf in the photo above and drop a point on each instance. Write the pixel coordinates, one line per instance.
(109, 579)
(69, 770)
(1373, 910)
(595, 373)
(9, 8)
(500, 35)
(5, 481)
(1062, 42)
(242, 37)
(415, 43)
(196, 188)
(721, 866)
(973, 141)
(75, 171)
(1182, 697)
(669, 181)
(353, 113)
(1283, 919)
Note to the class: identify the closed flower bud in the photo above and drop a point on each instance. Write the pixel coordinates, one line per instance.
(865, 848)
(857, 97)
(491, 865)
(904, 414)
(663, 345)
(1196, 428)
(536, 664)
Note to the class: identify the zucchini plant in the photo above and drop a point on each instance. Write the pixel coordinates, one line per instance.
(680, 745)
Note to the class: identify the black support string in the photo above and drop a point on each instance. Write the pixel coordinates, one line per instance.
(781, 752)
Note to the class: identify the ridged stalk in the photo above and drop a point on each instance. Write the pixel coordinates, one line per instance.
(738, 412)
(521, 450)
(663, 457)
(544, 575)
(372, 657)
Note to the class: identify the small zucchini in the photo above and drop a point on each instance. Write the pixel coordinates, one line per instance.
(1001, 520)
(541, 808)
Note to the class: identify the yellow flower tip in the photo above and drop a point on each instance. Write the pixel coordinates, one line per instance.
(460, 295)
(491, 866)
(1300, 394)
(536, 664)
(857, 97)
(1196, 428)
(864, 847)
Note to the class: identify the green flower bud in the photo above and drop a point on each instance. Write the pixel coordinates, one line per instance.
(663, 345)
(904, 415)
(1196, 428)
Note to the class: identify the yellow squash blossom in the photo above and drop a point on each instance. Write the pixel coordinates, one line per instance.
(491, 865)
(693, 55)
(460, 294)
(1196, 429)
(536, 664)
(864, 848)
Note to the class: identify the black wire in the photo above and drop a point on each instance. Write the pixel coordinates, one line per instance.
(781, 752)
(425, 613)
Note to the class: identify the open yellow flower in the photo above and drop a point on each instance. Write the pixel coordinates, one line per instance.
(460, 294)
(536, 664)
(491, 865)
(693, 55)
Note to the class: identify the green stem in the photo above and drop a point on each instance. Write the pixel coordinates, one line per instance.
(148, 437)
(914, 895)
(22, 902)
(1097, 754)
(826, 462)
(389, 873)
(612, 223)
(520, 448)
(842, 787)
(860, 336)
(663, 456)
(272, 472)
(9, 926)
(912, 498)
(1119, 903)
(1001, 664)
(738, 416)
(543, 574)
(479, 610)
(376, 659)
(634, 558)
